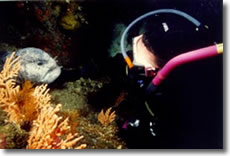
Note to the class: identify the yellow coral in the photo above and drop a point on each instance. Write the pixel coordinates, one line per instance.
(26, 102)
(69, 22)
(34, 104)
(72, 115)
(23, 104)
(107, 117)
(10, 69)
(48, 130)
(9, 90)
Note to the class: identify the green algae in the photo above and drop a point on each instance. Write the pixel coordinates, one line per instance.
(16, 138)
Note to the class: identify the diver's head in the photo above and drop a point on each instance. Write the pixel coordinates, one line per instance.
(166, 39)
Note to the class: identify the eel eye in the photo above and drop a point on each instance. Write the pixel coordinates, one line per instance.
(40, 63)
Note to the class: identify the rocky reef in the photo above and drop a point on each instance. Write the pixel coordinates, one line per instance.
(83, 117)
(48, 25)
(74, 95)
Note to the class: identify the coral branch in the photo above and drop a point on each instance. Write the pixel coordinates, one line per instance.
(42, 96)
(10, 69)
(24, 104)
(8, 89)
(48, 131)
(107, 117)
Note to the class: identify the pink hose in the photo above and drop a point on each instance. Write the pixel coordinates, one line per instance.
(182, 59)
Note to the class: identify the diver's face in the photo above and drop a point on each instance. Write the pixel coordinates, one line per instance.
(142, 56)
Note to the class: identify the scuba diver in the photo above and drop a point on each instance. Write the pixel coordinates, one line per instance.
(165, 36)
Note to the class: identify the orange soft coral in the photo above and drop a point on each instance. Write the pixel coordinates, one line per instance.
(107, 117)
(9, 90)
(33, 104)
(27, 103)
(48, 130)
(21, 105)
(72, 115)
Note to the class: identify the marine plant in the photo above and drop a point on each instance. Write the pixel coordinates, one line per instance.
(107, 117)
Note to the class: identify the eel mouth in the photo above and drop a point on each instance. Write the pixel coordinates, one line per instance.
(51, 75)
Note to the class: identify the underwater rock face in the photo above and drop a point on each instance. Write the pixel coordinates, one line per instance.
(37, 65)
(74, 95)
